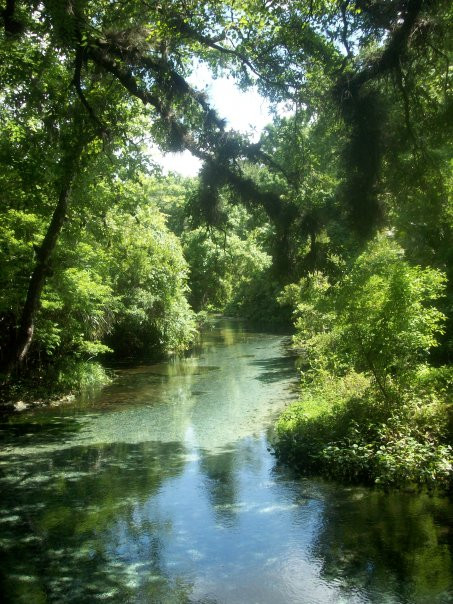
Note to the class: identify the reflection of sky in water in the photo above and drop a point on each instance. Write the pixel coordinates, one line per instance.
(162, 489)
(234, 537)
(221, 401)
(217, 397)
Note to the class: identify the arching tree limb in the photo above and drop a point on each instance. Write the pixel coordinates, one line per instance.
(224, 148)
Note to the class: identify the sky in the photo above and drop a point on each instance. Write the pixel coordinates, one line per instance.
(246, 112)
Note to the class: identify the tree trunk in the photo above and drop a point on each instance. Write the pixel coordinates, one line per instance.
(40, 272)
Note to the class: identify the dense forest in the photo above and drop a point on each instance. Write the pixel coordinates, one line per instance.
(338, 221)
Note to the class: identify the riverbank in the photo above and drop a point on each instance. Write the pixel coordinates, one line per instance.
(57, 385)
(164, 489)
(342, 428)
(375, 403)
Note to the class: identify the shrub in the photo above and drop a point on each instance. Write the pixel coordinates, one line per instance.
(371, 408)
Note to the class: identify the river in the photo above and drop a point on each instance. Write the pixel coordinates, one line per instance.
(163, 489)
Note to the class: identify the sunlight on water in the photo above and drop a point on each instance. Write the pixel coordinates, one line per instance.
(163, 489)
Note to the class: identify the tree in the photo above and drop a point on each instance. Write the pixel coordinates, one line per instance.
(371, 407)
(322, 56)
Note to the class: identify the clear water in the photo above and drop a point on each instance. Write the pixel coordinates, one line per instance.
(163, 489)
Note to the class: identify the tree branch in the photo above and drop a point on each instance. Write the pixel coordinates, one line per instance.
(163, 69)
(212, 43)
(78, 86)
(220, 154)
(12, 25)
(407, 114)
(391, 55)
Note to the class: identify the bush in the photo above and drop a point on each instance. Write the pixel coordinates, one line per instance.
(67, 377)
(344, 430)
(371, 408)
(72, 375)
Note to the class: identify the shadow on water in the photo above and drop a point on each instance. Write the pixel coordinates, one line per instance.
(389, 546)
(57, 515)
(391, 542)
(93, 507)
(275, 369)
(33, 431)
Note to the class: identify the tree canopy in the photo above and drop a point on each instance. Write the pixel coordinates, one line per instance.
(101, 252)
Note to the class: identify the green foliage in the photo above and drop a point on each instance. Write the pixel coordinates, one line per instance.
(19, 231)
(149, 277)
(75, 309)
(387, 308)
(256, 299)
(231, 270)
(371, 409)
(117, 284)
(342, 428)
(379, 319)
(73, 375)
(221, 266)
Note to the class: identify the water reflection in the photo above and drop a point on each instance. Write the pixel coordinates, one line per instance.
(163, 490)
(400, 543)
(57, 515)
(275, 369)
(221, 484)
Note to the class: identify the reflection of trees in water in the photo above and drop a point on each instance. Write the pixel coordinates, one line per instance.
(67, 518)
(388, 544)
(389, 547)
(221, 481)
(221, 470)
(39, 430)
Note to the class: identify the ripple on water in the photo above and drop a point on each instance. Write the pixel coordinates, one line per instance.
(163, 489)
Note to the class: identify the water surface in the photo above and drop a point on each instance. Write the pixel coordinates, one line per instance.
(163, 489)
